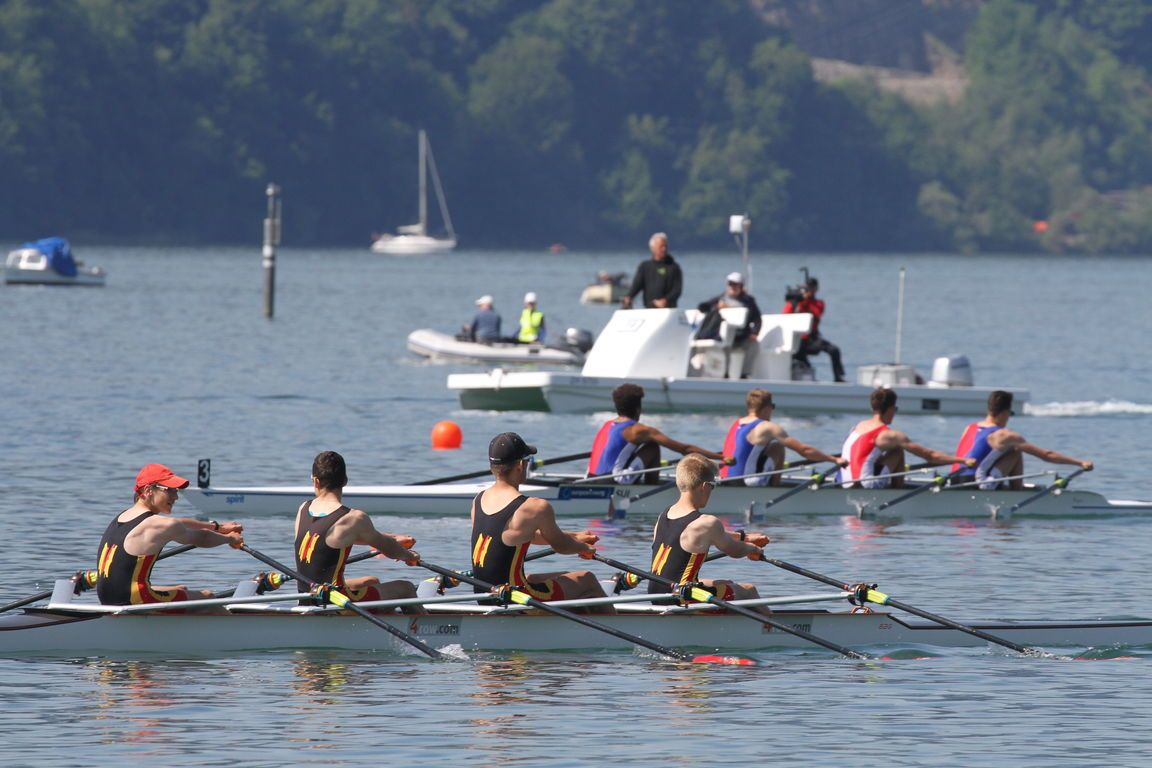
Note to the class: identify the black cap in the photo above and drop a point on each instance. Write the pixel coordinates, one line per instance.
(509, 448)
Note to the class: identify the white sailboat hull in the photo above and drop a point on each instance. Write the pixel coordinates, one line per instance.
(413, 245)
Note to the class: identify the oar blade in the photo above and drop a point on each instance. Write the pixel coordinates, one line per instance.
(736, 661)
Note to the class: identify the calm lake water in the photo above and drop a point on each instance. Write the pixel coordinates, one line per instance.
(173, 362)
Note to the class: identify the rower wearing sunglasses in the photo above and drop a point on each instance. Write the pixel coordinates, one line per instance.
(136, 536)
(684, 535)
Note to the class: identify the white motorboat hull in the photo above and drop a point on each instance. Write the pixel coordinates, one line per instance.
(557, 392)
(413, 245)
(27, 266)
(657, 349)
(443, 346)
(741, 502)
(277, 629)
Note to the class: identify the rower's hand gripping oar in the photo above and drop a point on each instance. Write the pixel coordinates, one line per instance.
(695, 591)
(341, 600)
(1058, 486)
(84, 581)
(509, 593)
(867, 593)
(486, 472)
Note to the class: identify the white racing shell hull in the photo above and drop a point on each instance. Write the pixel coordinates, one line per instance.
(38, 633)
(612, 501)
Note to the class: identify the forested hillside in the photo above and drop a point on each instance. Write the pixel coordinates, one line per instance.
(589, 122)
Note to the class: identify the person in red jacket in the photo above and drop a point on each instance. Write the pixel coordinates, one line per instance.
(814, 343)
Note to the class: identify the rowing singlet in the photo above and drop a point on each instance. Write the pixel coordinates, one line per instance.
(121, 578)
(862, 453)
(669, 559)
(750, 459)
(974, 445)
(497, 563)
(612, 453)
(321, 564)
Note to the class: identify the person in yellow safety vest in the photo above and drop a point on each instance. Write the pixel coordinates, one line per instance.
(531, 322)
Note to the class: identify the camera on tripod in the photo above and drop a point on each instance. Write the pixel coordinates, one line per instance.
(794, 293)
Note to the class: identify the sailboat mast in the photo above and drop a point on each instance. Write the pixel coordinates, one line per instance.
(423, 182)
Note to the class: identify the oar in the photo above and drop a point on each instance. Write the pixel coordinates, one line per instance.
(1058, 484)
(523, 598)
(868, 593)
(82, 574)
(788, 467)
(812, 483)
(621, 509)
(341, 601)
(486, 472)
(701, 595)
(935, 483)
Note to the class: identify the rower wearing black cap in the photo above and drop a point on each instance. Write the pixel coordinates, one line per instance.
(505, 523)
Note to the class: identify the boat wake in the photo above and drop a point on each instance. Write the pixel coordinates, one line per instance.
(1088, 408)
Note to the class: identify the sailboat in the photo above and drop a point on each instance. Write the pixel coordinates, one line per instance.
(414, 239)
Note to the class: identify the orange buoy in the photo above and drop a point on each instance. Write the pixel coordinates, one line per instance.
(446, 436)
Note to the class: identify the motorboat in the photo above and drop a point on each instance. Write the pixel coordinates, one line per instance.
(459, 623)
(608, 288)
(49, 262)
(659, 350)
(413, 239)
(442, 346)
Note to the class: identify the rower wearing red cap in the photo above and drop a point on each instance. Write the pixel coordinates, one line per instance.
(505, 523)
(137, 535)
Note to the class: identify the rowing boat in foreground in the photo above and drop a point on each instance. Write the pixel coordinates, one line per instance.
(264, 622)
(571, 498)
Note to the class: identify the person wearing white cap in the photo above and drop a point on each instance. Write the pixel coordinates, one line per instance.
(748, 337)
(485, 327)
(531, 322)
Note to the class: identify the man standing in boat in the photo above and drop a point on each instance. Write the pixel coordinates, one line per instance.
(757, 443)
(874, 450)
(136, 536)
(505, 523)
(659, 278)
(624, 445)
(326, 531)
(999, 451)
(532, 329)
(684, 534)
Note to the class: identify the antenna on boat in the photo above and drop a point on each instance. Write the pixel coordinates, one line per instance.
(899, 314)
(739, 225)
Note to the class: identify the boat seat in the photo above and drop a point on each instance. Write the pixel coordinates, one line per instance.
(715, 358)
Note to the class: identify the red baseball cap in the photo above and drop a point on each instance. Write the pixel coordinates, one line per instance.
(158, 474)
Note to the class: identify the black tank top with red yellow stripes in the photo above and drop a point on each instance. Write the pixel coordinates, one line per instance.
(494, 561)
(315, 560)
(121, 578)
(669, 559)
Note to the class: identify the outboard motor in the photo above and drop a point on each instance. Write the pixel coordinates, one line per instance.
(952, 371)
(578, 338)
